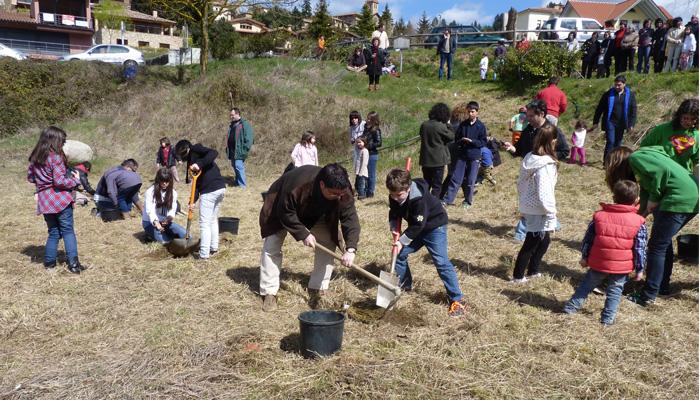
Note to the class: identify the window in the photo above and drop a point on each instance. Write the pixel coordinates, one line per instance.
(590, 25)
(144, 44)
(164, 46)
(635, 24)
(118, 49)
(569, 24)
(125, 42)
(246, 26)
(100, 50)
(549, 24)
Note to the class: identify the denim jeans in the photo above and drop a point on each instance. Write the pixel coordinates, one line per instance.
(209, 204)
(613, 292)
(239, 170)
(435, 241)
(674, 53)
(643, 59)
(520, 230)
(464, 176)
(361, 186)
(445, 58)
(372, 172)
(486, 157)
(171, 232)
(660, 250)
(60, 226)
(613, 137)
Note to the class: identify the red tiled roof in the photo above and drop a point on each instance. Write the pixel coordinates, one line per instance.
(542, 10)
(16, 17)
(601, 12)
(665, 11)
(137, 16)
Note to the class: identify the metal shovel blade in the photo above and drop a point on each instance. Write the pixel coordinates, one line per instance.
(182, 247)
(386, 297)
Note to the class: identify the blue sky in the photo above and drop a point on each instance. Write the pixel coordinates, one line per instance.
(482, 11)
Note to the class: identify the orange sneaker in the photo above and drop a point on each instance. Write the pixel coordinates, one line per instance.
(457, 309)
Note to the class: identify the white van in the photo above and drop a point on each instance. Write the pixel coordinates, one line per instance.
(560, 27)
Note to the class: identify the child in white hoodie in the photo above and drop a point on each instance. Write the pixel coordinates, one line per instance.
(484, 67)
(538, 177)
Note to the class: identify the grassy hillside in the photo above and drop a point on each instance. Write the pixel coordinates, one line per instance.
(140, 324)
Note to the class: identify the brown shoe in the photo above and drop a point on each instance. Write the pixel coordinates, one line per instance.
(269, 303)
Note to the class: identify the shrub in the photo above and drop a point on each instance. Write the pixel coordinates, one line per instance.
(540, 62)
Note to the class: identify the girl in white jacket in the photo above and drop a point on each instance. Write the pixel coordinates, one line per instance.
(160, 206)
(538, 177)
(687, 49)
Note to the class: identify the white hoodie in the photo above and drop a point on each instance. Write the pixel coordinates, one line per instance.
(538, 177)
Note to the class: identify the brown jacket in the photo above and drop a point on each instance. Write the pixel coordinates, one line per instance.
(295, 203)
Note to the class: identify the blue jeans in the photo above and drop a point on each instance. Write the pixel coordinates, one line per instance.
(462, 169)
(613, 137)
(660, 250)
(521, 229)
(613, 293)
(239, 170)
(171, 232)
(445, 58)
(60, 226)
(361, 186)
(486, 157)
(436, 243)
(125, 200)
(643, 59)
(372, 172)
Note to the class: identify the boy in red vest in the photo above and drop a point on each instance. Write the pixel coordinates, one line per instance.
(614, 246)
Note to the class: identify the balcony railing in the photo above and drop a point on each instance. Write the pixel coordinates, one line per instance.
(64, 20)
(45, 48)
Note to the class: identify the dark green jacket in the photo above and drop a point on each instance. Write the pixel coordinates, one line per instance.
(434, 138)
(239, 140)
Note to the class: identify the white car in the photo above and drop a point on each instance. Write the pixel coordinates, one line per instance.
(109, 53)
(8, 52)
(560, 27)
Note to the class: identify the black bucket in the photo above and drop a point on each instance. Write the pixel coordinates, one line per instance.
(228, 224)
(321, 333)
(111, 214)
(687, 246)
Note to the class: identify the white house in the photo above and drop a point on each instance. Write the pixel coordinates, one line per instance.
(534, 18)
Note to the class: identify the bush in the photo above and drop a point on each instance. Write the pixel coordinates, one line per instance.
(534, 66)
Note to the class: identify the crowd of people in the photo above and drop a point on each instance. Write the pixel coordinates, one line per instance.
(316, 204)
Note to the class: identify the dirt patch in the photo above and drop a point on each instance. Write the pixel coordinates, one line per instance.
(367, 312)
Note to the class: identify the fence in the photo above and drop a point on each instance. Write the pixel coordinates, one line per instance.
(45, 48)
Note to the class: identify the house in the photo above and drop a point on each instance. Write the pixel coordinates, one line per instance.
(533, 18)
(140, 30)
(47, 27)
(346, 21)
(633, 12)
(246, 25)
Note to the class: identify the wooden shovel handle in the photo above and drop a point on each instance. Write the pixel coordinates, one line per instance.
(195, 175)
(366, 274)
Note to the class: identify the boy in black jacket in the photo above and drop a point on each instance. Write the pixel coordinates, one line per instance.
(427, 226)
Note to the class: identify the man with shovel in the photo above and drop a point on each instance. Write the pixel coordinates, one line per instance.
(427, 226)
(308, 202)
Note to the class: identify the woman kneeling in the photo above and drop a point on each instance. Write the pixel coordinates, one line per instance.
(160, 208)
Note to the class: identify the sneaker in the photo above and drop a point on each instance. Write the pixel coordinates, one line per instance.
(534, 276)
(466, 206)
(519, 280)
(457, 309)
(599, 290)
(639, 300)
(269, 303)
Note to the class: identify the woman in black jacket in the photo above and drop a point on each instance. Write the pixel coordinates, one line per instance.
(435, 135)
(374, 58)
(374, 141)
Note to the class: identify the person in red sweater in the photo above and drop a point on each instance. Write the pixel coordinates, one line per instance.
(555, 99)
(614, 246)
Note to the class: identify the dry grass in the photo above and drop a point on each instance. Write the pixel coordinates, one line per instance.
(139, 324)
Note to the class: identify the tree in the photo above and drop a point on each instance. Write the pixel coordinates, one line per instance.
(386, 19)
(453, 23)
(321, 23)
(365, 23)
(435, 22)
(424, 24)
(410, 30)
(443, 22)
(110, 15)
(512, 15)
(202, 13)
(399, 27)
(498, 22)
(306, 11)
(224, 40)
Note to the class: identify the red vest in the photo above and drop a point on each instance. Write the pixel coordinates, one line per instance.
(616, 226)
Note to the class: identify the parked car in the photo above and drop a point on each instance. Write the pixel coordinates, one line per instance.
(12, 53)
(479, 38)
(109, 53)
(559, 28)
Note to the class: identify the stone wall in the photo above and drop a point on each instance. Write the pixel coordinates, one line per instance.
(133, 39)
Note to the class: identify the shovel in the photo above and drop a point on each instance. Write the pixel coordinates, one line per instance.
(391, 293)
(391, 275)
(182, 247)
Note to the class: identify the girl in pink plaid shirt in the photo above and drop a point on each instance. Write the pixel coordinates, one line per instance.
(54, 200)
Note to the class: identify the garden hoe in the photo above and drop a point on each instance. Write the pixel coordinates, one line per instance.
(390, 276)
(182, 247)
(391, 293)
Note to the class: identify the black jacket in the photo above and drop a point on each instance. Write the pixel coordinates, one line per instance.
(421, 210)
(374, 140)
(357, 60)
(210, 179)
(374, 65)
(527, 140)
(434, 138)
(477, 133)
(601, 112)
(453, 44)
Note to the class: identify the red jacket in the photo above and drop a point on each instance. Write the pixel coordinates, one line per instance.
(616, 226)
(555, 99)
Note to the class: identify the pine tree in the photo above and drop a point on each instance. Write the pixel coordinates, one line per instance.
(306, 9)
(399, 27)
(365, 23)
(435, 23)
(498, 22)
(423, 23)
(453, 23)
(409, 30)
(443, 22)
(386, 19)
(321, 23)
